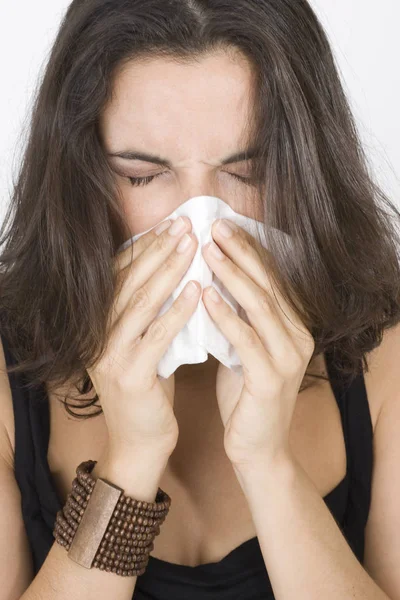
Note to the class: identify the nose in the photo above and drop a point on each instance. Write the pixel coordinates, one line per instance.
(239, 203)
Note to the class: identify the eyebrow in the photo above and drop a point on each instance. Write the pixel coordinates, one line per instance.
(164, 162)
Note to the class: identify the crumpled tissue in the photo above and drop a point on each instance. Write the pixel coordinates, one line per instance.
(201, 336)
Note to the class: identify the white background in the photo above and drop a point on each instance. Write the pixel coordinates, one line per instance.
(363, 33)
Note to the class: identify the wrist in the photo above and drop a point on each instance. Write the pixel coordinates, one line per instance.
(138, 473)
(266, 469)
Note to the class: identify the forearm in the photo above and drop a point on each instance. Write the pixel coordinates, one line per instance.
(60, 578)
(305, 553)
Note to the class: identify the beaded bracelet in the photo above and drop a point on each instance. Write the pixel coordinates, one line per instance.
(102, 527)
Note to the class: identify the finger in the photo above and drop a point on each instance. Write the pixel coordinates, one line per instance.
(256, 363)
(156, 273)
(149, 252)
(246, 253)
(152, 345)
(259, 306)
(137, 307)
(123, 258)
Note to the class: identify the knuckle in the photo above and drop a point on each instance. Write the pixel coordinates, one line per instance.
(248, 337)
(296, 363)
(309, 345)
(170, 263)
(162, 243)
(264, 303)
(243, 244)
(141, 298)
(157, 331)
(289, 359)
(305, 346)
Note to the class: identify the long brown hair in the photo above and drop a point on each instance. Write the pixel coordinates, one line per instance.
(65, 222)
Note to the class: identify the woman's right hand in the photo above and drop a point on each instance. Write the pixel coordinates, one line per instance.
(137, 404)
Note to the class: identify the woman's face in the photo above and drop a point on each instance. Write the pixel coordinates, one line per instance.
(192, 116)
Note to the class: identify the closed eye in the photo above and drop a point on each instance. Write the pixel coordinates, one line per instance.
(137, 181)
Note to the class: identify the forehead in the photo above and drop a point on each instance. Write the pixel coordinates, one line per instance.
(160, 101)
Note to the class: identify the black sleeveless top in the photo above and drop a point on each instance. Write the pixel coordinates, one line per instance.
(240, 574)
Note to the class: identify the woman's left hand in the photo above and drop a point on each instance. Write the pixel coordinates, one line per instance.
(274, 349)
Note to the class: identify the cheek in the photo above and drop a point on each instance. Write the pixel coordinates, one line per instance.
(141, 213)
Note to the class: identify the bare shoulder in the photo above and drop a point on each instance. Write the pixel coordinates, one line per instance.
(382, 380)
(7, 429)
(382, 545)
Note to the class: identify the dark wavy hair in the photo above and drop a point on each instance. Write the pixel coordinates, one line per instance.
(57, 282)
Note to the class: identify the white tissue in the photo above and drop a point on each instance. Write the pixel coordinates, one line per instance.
(200, 336)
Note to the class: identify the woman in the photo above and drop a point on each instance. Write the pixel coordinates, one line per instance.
(142, 106)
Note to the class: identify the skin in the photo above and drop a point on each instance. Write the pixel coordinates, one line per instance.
(195, 116)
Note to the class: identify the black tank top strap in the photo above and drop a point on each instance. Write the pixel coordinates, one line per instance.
(353, 404)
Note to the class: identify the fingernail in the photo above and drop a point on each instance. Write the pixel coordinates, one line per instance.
(162, 227)
(177, 226)
(226, 228)
(190, 289)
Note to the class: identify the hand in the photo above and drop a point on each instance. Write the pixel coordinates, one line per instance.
(137, 405)
(274, 348)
